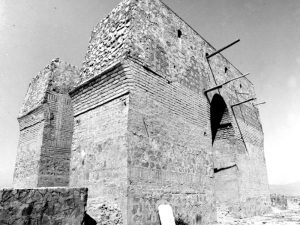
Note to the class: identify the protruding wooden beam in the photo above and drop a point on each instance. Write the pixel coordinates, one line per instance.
(247, 74)
(222, 49)
(240, 103)
(262, 103)
(217, 170)
(212, 89)
(241, 93)
(221, 85)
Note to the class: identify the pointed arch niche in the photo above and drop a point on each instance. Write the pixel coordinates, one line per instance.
(224, 154)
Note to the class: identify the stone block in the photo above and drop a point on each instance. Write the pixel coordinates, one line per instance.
(38, 206)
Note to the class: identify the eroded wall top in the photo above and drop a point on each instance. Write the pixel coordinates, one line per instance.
(169, 46)
(58, 76)
(109, 40)
(152, 33)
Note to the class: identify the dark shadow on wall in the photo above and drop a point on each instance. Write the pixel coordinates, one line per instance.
(226, 173)
(180, 221)
(221, 126)
(87, 220)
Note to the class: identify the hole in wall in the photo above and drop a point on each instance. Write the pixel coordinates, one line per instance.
(226, 69)
(241, 86)
(217, 170)
(198, 219)
(221, 126)
(180, 221)
(124, 101)
(179, 33)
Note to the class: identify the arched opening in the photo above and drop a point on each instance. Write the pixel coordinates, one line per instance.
(224, 155)
(221, 126)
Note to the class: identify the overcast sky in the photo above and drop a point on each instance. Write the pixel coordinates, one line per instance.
(32, 32)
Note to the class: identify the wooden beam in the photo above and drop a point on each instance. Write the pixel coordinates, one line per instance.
(262, 103)
(240, 103)
(222, 49)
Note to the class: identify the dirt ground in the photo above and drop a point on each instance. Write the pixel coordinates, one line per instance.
(291, 216)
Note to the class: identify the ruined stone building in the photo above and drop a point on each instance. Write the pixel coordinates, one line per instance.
(147, 120)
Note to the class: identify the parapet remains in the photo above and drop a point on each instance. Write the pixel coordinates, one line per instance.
(46, 128)
(138, 127)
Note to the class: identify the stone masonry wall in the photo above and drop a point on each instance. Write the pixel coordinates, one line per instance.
(43, 206)
(109, 41)
(58, 76)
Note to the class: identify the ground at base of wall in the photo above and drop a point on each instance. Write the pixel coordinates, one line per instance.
(104, 213)
(291, 216)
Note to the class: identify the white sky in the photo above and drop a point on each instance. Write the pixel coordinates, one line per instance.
(32, 32)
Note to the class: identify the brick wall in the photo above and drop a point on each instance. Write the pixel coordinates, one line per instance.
(169, 151)
(99, 149)
(181, 59)
(46, 128)
(55, 156)
(142, 124)
(29, 148)
(167, 74)
(157, 108)
(43, 157)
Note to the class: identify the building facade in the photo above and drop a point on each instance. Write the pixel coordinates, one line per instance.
(142, 124)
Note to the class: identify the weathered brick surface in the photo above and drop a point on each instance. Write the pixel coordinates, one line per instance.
(181, 59)
(137, 128)
(29, 148)
(169, 151)
(43, 206)
(57, 139)
(59, 77)
(46, 128)
(166, 74)
(109, 41)
(99, 149)
(165, 117)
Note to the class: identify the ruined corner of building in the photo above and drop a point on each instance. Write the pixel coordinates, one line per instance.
(153, 117)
